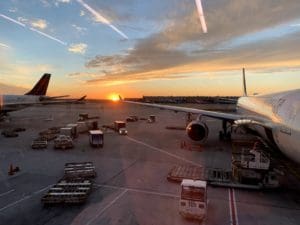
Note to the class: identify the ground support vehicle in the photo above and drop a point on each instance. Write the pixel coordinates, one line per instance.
(193, 199)
(250, 169)
(63, 142)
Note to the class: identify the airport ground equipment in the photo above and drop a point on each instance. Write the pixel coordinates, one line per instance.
(118, 125)
(12, 170)
(250, 169)
(79, 169)
(49, 134)
(9, 133)
(152, 118)
(68, 191)
(92, 124)
(193, 199)
(75, 186)
(123, 131)
(175, 128)
(63, 142)
(132, 119)
(85, 116)
(74, 130)
(179, 173)
(81, 127)
(39, 144)
(19, 129)
(96, 138)
(67, 131)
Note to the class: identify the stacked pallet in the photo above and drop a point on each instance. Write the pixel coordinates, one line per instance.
(68, 191)
(178, 173)
(75, 186)
(39, 144)
(84, 170)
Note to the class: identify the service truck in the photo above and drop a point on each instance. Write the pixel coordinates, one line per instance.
(193, 199)
(118, 125)
(96, 138)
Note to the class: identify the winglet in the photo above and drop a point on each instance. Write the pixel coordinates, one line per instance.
(244, 83)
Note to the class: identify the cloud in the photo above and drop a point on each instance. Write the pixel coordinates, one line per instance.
(22, 19)
(10, 89)
(2, 45)
(16, 74)
(180, 49)
(82, 13)
(78, 48)
(39, 23)
(13, 10)
(79, 29)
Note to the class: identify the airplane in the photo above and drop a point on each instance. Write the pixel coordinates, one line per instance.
(36, 96)
(276, 117)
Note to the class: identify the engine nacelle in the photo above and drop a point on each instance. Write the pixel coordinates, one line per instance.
(197, 131)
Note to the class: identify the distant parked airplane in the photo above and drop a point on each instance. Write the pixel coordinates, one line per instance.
(37, 95)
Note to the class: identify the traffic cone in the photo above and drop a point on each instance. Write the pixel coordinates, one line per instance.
(11, 170)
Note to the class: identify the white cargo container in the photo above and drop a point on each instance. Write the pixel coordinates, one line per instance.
(66, 131)
(96, 138)
(74, 129)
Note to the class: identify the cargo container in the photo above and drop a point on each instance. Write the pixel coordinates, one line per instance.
(66, 131)
(119, 124)
(74, 131)
(96, 138)
(81, 127)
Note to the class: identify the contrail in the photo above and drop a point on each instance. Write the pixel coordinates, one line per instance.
(102, 19)
(48, 36)
(12, 20)
(32, 29)
(201, 15)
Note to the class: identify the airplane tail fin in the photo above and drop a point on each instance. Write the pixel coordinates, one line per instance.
(244, 83)
(40, 88)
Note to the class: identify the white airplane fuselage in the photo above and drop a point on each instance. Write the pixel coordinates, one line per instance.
(282, 110)
(9, 103)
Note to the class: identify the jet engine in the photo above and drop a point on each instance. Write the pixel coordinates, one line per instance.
(197, 131)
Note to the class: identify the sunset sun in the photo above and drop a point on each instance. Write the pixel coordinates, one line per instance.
(114, 97)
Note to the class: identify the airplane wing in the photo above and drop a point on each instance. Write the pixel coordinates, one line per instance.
(230, 117)
(45, 102)
(64, 101)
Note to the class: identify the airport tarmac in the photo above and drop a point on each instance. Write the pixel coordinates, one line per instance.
(131, 185)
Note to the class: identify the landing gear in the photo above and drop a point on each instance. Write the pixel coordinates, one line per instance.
(225, 134)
